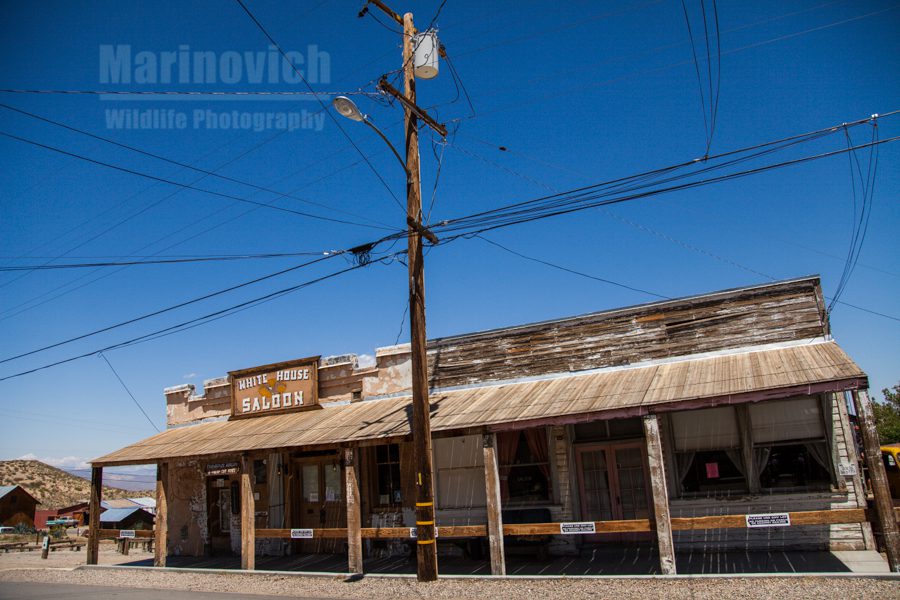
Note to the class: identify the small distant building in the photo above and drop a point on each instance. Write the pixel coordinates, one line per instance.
(148, 504)
(17, 506)
(78, 512)
(126, 518)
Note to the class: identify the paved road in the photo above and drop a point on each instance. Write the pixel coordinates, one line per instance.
(50, 591)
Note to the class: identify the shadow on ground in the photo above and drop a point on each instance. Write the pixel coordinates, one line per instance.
(599, 560)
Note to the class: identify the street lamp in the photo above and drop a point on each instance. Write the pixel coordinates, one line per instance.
(347, 108)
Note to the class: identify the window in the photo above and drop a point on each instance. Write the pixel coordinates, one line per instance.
(387, 475)
(524, 466)
(707, 452)
(793, 466)
(459, 464)
(259, 471)
(890, 463)
(790, 445)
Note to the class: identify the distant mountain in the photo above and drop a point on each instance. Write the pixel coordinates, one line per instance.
(53, 487)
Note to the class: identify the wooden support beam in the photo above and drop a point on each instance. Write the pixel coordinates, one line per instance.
(248, 515)
(354, 513)
(161, 522)
(751, 469)
(660, 494)
(883, 503)
(859, 485)
(494, 509)
(93, 545)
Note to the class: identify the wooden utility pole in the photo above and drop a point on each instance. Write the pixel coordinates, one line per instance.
(884, 509)
(93, 545)
(421, 418)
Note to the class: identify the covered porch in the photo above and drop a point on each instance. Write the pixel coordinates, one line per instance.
(314, 516)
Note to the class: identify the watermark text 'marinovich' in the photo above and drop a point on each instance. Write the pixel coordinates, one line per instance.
(119, 64)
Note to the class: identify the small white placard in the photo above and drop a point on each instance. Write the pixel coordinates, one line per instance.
(301, 534)
(126, 533)
(847, 469)
(769, 520)
(413, 534)
(312, 497)
(582, 528)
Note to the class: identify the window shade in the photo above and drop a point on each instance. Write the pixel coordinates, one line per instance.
(706, 429)
(796, 419)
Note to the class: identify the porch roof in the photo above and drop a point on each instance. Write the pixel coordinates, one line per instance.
(745, 376)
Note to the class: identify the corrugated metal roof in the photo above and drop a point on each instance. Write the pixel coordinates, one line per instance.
(116, 515)
(119, 503)
(636, 389)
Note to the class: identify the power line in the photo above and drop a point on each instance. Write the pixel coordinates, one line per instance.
(46, 267)
(572, 271)
(136, 403)
(182, 185)
(187, 93)
(199, 320)
(180, 164)
(175, 306)
(322, 104)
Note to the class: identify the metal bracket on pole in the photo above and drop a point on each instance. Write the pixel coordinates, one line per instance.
(422, 230)
(384, 86)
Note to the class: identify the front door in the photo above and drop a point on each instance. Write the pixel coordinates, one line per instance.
(321, 501)
(613, 484)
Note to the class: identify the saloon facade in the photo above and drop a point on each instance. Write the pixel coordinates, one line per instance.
(718, 421)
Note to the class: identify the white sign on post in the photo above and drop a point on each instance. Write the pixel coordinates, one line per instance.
(582, 528)
(769, 520)
(301, 534)
(847, 469)
(126, 533)
(413, 533)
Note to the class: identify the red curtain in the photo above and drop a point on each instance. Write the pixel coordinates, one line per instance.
(507, 446)
(537, 443)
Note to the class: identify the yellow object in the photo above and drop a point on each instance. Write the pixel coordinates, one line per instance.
(890, 455)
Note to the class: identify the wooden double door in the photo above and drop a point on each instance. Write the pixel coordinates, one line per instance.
(319, 501)
(613, 482)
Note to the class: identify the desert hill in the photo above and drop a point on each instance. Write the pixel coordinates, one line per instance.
(53, 487)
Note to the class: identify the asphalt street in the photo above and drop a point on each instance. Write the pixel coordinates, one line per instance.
(48, 591)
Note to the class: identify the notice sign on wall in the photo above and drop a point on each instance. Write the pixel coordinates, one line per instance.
(273, 389)
(126, 533)
(301, 534)
(769, 520)
(222, 468)
(577, 528)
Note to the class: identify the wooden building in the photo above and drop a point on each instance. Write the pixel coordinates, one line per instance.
(17, 506)
(77, 512)
(718, 420)
(126, 518)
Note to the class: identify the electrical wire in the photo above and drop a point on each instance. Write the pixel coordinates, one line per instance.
(183, 165)
(687, 21)
(195, 321)
(187, 93)
(322, 104)
(164, 261)
(136, 403)
(183, 185)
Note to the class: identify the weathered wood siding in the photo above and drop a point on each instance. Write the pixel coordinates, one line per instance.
(775, 313)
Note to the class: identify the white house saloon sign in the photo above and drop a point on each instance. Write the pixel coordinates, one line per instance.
(274, 389)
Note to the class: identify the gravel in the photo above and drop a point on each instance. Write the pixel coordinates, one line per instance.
(392, 588)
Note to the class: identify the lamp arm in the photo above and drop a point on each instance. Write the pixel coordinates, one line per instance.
(388, 142)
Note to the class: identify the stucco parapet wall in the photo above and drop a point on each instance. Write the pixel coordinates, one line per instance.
(176, 389)
(392, 350)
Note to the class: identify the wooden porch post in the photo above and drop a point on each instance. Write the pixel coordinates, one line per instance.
(248, 516)
(93, 545)
(884, 507)
(660, 494)
(859, 484)
(494, 509)
(354, 514)
(742, 411)
(161, 522)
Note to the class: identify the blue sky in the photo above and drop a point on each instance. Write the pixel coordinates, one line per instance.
(577, 93)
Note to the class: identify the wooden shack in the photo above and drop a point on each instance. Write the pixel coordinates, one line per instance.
(718, 420)
(17, 506)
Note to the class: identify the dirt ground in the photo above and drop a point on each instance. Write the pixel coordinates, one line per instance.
(62, 567)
